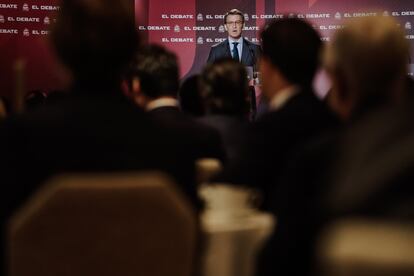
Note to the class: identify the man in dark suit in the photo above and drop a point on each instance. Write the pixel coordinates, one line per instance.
(235, 46)
(154, 81)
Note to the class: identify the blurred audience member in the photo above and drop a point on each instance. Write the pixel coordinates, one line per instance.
(348, 171)
(190, 98)
(224, 90)
(296, 114)
(154, 82)
(96, 129)
(367, 65)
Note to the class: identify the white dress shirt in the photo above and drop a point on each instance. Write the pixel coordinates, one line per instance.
(239, 46)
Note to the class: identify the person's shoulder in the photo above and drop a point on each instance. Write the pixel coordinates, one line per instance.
(220, 44)
(251, 44)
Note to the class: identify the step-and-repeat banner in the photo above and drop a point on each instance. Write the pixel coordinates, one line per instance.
(191, 27)
(188, 27)
(24, 29)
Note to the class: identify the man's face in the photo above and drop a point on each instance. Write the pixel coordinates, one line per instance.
(234, 25)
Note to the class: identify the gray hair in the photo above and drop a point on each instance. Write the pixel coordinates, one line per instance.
(370, 55)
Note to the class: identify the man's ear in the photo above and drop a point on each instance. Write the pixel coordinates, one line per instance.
(225, 27)
(136, 86)
(136, 93)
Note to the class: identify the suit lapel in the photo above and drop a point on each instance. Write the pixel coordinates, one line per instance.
(227, 49)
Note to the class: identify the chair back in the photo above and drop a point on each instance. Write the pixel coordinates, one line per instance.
(104, 225)
(360, 247)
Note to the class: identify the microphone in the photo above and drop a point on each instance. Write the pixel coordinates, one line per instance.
(254, 62)
(252, 90)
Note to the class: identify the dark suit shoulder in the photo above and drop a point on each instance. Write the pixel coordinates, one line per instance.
(250, 43)
(220, 44)
(205, 139)
(304, 114)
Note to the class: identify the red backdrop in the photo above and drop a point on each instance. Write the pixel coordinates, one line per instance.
(194, 26)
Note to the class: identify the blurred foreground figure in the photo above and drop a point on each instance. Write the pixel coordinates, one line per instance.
(154, 83)
(95, 129)
(224, 91)
(295, 113)
(190, 98)
(356, 170)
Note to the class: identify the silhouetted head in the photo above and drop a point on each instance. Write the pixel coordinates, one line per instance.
(95, 39)
(156, 71)
(292, 46)
(224, 88)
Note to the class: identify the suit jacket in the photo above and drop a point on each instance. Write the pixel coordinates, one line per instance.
(233, 131)
(290, 186)
(251, 52)
(90, 131)
(296, 202)
(204, 141)
(273, 138)
(363, 170)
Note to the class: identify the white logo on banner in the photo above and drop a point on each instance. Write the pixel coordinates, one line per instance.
(386, 13)
(177, 29)
(26, 32)
(200, 17)
(338, 16)
(222, 29)
(200, 40)
(46, 20)
(1, 19)
(408, 26)
(246, 17)
(25, 7)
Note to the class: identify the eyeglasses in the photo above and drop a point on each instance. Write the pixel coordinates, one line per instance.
(238, 22)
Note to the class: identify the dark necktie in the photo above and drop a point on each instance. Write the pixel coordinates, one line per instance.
(236, 51)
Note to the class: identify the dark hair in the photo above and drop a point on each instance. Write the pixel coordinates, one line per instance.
(34, 99)
(233, 12)
(189, 96)
(95, 39)
(224, 88)
(293, 46)
(157, 70)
